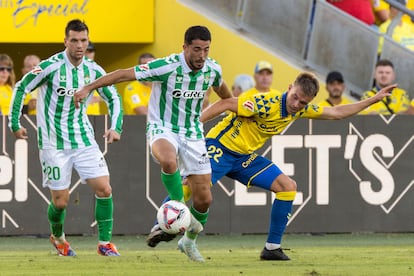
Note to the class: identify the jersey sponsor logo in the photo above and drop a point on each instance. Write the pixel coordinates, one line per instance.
(37, 70)
(204, 159)
(249, 105)
(252, 157)
(144, 67)
(63, 91)
(188, 94)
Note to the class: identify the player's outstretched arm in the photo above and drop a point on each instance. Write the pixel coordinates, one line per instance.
(116, 76)
(346, 110)
(219, 107)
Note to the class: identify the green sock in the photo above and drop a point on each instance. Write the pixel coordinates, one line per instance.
(104, 217)
(201, 217)
(56, 219)
(173, 184)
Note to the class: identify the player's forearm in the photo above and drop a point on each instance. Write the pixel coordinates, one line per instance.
(343, 111)
(347, 110)
(116, 76)
(219, 107)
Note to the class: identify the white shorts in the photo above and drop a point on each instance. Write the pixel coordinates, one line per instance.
(192, 154)
(57, 165)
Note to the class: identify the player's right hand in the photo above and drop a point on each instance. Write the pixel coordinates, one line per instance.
(21, 133)
(384, 92)
(79, 96)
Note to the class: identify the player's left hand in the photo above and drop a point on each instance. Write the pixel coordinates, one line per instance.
(112, 136)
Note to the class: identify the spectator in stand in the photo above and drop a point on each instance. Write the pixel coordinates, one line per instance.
(94, 102)
(335, 85)
(381, 11)
(360, 9)
(397, 102)
(90, 51)
(411, 108)
(7, 81)
(30, 62)
(242, 83)
(399, 30)
(137, 93)
(263, 77)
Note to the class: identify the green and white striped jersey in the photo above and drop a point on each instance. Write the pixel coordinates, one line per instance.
(178, 93)
(59, 124)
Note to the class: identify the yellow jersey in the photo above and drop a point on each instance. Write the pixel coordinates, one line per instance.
(259, 117)
(135, 94)
(6, 93)
(396, 103)
(94, 108)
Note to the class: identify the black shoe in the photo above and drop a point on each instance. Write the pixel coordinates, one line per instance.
(273, 255)
(156, 236)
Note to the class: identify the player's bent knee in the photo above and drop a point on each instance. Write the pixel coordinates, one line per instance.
(105, 191)
(60, 203)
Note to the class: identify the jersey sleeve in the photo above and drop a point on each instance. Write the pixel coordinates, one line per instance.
(33, 79)
(155, 70)
(113, 101)
(246, 105)
(311, 111)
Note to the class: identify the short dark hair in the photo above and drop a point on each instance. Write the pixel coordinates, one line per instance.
(196, 32)
(384, 62)
(76, 25)
(309, 84)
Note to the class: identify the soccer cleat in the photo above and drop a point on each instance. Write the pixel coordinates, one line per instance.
(273, 255)
(189, 248)
(63, 249)
(157, 235)
(108, 249)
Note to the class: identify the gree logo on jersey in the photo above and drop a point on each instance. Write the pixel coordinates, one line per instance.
(188, 94)
(62, 91)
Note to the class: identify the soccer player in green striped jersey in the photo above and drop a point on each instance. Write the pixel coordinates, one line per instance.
(65, 135)
(174, 131)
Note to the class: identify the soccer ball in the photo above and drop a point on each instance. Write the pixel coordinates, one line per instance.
(174, 217)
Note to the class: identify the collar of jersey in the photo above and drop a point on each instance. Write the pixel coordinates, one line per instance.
(283, 109)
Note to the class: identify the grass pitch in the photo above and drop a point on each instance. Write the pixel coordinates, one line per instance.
(335, 254)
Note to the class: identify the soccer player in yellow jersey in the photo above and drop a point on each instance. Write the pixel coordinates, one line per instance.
(254, 119)
(397, 102)
(335, 85)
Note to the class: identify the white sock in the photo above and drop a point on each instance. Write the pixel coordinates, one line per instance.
(272, 246)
